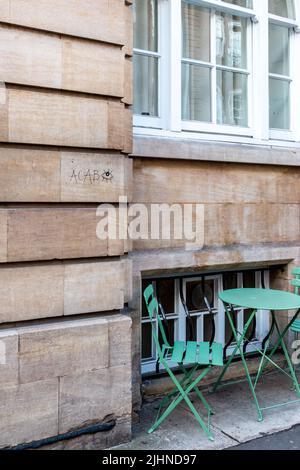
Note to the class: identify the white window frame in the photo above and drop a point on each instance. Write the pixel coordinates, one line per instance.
(213, 127)
(170, 124)
(294, 44)
(163, 65)
(262, 318)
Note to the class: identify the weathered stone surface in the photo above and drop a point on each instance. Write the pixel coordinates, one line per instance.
(56, 232)
(94, 286)
(83, 18)
(94, 177)
(28, 412)
(3, 113)
(4, 10)
(3, 236)
(29, 57)
(31, 291)
(40, 59)
(53, 118)
(29, 174)
(172, 181)
(8, 357)
(93, 67)
(66, 288)
(56, 349)
(93, 396)
(119, 329)
(36, 174)
(199, 150)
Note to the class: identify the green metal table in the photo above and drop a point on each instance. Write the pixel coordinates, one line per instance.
(260, 300)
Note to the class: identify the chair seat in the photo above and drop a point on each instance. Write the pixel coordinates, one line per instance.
(197, 353)
(296, 326)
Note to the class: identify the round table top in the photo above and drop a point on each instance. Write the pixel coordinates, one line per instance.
(261, 299)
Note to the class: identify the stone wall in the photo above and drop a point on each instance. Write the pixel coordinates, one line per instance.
(65, 133)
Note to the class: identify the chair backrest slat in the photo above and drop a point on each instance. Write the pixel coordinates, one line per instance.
(149, 292)
(152, 307)
(153, 311)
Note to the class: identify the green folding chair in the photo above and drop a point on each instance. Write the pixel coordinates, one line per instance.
(190, 357)
(295, 328)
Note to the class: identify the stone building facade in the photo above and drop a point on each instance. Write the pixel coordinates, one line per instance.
(71, 326)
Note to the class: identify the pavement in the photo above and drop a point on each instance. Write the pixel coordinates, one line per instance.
(234, 425)
(285, 440)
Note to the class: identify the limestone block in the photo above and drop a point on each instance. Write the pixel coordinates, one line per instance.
(31, 291)
(28, 175)
(95, 287)
(58, 349)
(93, 396)
(28, 412)
(8, 357)
(104, 21)
(120, 333)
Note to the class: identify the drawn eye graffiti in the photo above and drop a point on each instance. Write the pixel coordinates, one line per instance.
(107, 175)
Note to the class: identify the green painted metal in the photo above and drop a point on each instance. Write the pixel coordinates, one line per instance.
(178, 351)
(204, 353)
(189, 357)
(261, 299)
(191, 354)
(217, 354)
(296, 284)
(296, 326)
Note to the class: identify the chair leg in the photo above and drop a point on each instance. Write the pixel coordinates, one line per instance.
(200, 395)
(187, 377)
(183, 395)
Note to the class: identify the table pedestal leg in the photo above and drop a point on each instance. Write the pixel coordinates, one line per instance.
(236, 349)
(280, 342)
(240, 347)
(292, 371)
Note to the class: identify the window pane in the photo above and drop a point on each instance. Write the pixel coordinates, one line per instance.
(282, 8)
(279, 104)
(249, 279)
(195, 297)
(232, 98)
(241, 3)
(196, 93)
(195, 32)
(279, 49)
(191, 335)
(145, 25)
(247, 315)
(147, 341)
(228, 329)
(231, 40)
(229, 281)
(145, 85)
(170, 331)
(208, 327)
(165, 294)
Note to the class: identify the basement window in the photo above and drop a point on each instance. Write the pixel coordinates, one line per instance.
(169, 292)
